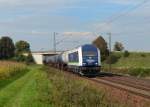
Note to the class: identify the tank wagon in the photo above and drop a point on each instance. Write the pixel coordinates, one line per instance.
(85, 60)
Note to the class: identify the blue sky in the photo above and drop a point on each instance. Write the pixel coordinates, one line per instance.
(76, 21)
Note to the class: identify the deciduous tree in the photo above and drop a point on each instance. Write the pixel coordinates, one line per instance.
(22, 47)
(102, 45)
(118, 46)
(7, 48)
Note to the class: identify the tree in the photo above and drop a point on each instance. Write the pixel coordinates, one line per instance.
(118, 46)
(102, 45)
(7, 48)
(22, 47)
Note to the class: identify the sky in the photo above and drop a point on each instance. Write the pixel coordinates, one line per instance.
(76, 22)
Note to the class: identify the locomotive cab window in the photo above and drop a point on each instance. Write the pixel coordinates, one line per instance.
(89, 53)
(73, 57)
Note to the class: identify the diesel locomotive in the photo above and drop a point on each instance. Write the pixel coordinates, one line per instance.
(84, 60)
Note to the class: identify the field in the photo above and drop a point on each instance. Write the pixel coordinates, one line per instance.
(41, 86)
(47, 87)
(8, 69)
(136, 64)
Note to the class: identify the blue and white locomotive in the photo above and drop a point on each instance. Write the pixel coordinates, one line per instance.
(85, 60)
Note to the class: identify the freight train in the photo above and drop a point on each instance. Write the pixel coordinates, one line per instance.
(84, 60)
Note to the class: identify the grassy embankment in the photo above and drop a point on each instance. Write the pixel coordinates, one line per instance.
(68, 91)
(136, 64)
(10, 71)
(38, 88)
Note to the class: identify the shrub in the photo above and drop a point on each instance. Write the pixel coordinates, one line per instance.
(112, 59)
(143, 55)
(126, 53)
(29, 59)
(139, 72)
(20, 58)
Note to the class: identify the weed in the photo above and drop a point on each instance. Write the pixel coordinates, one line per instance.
(69, 92)
(8, 68)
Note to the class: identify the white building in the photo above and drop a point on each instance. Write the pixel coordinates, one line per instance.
(40, 57)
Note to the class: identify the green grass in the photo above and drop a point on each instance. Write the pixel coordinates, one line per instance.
(133, 60)
(7, 81)
(26, 91)
(70, 92)
(48, 87)
(136, 64)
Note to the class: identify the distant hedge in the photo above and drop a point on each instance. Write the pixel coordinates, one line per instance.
(112, 59)
(139, 72)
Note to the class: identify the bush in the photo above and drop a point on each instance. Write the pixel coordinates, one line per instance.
(29, 59)
(139, 72)
(112, 59)
(143, 55)
(126, 53)
(19, 58)
(22, 58)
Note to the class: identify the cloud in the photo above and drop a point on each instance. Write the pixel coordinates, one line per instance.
(77, 33)
(122, 2)
(28, 2)
(33, 19)
(59, 3)
(39, 3)
(131, 29)
(45, 23)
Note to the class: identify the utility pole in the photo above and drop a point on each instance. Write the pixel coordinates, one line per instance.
(54, 42)
(109, 51)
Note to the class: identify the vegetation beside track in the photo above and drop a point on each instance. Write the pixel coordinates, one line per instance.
(68, 91)
(30, 89)
(48, 87)
(9, 68)
(136, 64)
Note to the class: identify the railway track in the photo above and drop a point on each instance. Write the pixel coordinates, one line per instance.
(134, 86)
(128, 82)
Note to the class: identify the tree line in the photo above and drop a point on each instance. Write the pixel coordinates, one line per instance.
(15, 51)
(105, 54)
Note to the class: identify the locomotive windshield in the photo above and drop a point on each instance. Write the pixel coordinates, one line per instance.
(89, 50)
(89, 53)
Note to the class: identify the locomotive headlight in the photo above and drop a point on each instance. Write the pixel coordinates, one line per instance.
(84, 63)
(96, 63)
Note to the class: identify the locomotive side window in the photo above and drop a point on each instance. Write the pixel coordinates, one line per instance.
(73, 57)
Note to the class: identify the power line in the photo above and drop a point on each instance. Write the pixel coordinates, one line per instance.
(128, 11)
(121, 14)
